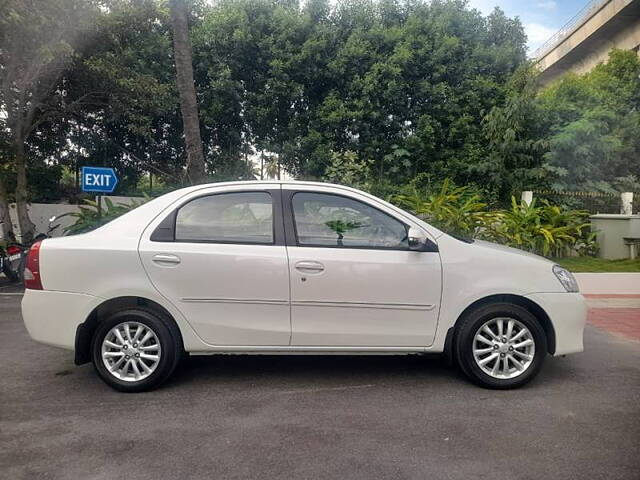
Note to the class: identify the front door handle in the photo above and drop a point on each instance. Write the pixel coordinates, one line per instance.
(166, 259)
(307, 266)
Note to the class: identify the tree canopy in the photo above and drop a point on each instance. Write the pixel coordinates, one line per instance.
(580, 133)
(382, 92)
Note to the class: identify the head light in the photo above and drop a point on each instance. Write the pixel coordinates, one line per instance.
(566, 278)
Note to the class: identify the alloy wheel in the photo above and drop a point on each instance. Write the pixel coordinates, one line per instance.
(131, 351)
(503, 348)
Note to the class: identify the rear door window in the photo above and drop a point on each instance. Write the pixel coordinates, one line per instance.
(237, 217)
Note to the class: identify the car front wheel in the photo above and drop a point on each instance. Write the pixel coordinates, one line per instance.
(135, 350)
(501, 346)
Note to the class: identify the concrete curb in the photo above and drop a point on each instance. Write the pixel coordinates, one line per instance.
(609, 283)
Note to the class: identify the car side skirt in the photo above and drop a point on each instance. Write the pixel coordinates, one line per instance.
(312, 350)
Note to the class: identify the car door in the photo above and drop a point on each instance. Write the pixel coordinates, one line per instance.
(354, 281)
(219, 257)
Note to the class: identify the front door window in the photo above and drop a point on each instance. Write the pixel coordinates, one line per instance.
(326, 220)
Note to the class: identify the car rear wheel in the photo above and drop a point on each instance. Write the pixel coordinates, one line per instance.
(501, 346)
(135, 350)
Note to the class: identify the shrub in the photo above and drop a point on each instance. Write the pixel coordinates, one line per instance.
(542, 228)
(545, 229)
(457, 210)
(89, 218)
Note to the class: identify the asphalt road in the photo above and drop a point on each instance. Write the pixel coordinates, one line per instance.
(318, 418)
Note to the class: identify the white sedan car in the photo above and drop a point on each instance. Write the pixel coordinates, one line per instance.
(290, 268)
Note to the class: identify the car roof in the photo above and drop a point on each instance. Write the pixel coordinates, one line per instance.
(281, 182)
(131, 223)
(284, 183)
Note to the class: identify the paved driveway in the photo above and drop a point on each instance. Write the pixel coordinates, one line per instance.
(318, 418)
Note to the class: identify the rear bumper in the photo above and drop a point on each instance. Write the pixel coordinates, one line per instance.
(568, 315)
(53, 317)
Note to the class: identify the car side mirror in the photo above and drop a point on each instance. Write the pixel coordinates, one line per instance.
(418, 240)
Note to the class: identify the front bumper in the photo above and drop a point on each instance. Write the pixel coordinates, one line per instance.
(568, 315)
(52, 317)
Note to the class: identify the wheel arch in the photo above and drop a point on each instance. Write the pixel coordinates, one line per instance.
(519, 300)
(85, 331)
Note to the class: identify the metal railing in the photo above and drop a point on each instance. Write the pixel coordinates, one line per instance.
(592, 202)
(568, 28)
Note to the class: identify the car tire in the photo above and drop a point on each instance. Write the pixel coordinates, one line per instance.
(14, 272)
(11, 276)
(492, 360)
(145, 366)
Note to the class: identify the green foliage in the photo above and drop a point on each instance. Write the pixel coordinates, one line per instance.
(383, 89)
(580, 133)
(402, 85)
(370, 93)
(457, 210)
(40, 43)
(346, 169)
(515, 133)
(545, 229)
(89, 217)
(340, 227)
(133, 123)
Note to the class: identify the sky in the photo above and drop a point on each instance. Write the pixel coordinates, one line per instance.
(541, 18)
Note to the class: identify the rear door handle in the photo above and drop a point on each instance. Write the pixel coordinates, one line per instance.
(166, 259)
(307, 266)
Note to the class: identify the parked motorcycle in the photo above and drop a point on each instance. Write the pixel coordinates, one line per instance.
(12, 259)
(13, 262)
(10, 256)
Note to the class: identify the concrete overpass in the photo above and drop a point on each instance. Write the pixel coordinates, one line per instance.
(588, 37)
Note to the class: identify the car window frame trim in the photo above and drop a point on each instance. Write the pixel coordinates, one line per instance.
(291, 236)
(277, 220)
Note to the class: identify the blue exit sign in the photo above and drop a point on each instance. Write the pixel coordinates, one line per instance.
(99, 179)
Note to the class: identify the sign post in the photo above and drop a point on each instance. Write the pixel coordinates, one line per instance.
(99, 180)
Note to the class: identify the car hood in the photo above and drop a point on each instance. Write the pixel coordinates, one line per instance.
(513, 251)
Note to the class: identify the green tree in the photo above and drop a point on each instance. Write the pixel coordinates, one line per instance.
(594, 126)
(136, 127)
(40, 40)
(372, 77)
(347, 169)
(517, 134)
(399, 87)
(580, 133)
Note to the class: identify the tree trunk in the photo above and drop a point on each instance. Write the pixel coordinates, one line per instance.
(6, 227)
(27, 228)
(195, 171)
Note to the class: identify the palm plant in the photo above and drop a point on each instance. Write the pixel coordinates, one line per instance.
(272, 168)
(90, 216)
(546, 229)
(542, 228)
(457, 210)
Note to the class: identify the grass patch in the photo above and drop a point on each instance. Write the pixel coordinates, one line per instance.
(591, 264)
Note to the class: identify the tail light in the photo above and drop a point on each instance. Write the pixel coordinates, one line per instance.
(32, 278)
(13, 250)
